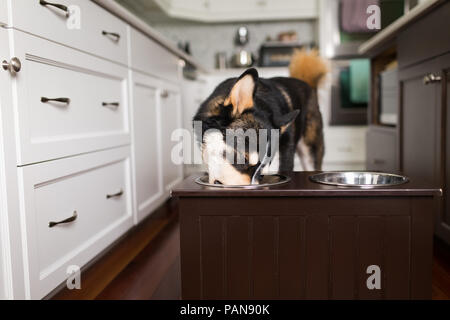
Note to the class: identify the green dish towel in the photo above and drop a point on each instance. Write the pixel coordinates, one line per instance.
(359, 80)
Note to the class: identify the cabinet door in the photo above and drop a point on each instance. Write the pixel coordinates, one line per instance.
(170, 121)
(3, 13)
(421, 125)
(12, 280)
(146, 133)
(4, 83)
(443, 223)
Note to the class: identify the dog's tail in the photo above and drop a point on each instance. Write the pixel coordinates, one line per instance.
(308, 67)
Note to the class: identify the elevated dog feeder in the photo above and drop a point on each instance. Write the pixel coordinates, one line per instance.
(307, 240)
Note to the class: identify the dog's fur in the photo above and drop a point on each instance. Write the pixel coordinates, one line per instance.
(287, 104)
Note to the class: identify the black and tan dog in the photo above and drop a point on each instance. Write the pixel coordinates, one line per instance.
(250, 102)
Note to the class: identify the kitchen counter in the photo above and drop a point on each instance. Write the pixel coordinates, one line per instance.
(400, 24)
(140, 25)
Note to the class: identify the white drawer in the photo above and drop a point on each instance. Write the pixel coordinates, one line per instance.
(54, 191)
(345, 145)
(51, 23)
(51, 130)
(149, 57)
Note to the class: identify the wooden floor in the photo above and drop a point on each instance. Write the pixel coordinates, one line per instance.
(154, 272)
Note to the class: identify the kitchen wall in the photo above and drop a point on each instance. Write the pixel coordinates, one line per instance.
(208, 39)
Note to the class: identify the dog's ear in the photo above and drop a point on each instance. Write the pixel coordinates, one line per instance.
(286, 120)
(242, 94)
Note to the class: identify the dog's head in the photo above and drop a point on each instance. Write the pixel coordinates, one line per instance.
(238, 123)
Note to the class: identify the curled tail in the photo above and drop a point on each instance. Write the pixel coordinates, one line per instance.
(308, 67)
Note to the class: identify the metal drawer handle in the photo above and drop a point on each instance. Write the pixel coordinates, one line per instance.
(114, 35)
(62, 100)
(74, 217)
(112, 105)
(115, 195)
(56, 5)
(165, 94)
(14, 65)
(431, 78)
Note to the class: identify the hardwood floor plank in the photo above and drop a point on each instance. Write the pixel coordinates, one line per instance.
(142, 277)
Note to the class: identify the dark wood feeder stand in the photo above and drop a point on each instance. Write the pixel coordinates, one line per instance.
(304, 240)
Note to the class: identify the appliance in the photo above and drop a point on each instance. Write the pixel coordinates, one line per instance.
(242, 58)
(277, 53)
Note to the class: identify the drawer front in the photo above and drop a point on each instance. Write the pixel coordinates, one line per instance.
(149, 57)
(95, 188)
(83, 29)
(96, 117)
(382, 149)
(347, 145)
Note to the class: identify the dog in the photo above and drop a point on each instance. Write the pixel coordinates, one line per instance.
(286, 104)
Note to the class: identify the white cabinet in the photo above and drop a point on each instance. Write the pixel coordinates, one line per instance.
(148, 57)
(156, 114)
(238, 10)
(93, 112)
(194, 92)
(85, 139)
(88, 27)
(12, 284)
(3, 13)
(147, 143)
(94, 192)
(5, 100)
(170, 111)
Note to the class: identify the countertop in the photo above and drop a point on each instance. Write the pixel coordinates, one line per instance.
(140, 25)
(301, 186)
(391, 31)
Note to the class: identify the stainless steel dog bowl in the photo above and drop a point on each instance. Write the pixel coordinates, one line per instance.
(358, 179)
(266, 181)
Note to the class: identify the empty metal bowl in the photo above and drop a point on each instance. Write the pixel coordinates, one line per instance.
(358, 179)
(266, 181)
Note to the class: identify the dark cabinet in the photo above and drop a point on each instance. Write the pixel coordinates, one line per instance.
(423, 52)
(420, 119)
(443, 221)
(424, 128)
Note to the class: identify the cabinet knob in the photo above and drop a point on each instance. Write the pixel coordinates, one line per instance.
(431, 78)
(14, 65)
(165, 94)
